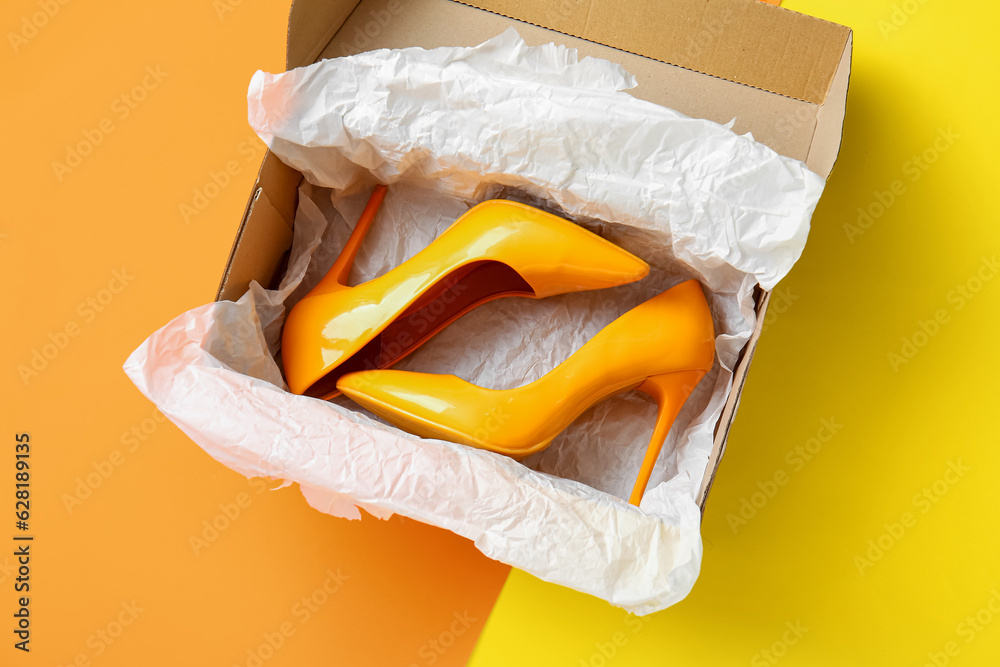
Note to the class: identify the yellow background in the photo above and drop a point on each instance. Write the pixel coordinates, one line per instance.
(826, 356)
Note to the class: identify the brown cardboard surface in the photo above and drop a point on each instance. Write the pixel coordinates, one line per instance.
(830, 116)
(311, 25)
(254, 258)
(281, 183)
(782, 76)
(744, 41)
(265, 232)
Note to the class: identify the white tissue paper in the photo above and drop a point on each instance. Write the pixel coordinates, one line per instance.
(444, 129)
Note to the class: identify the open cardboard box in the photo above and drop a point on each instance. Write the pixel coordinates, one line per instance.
(781, 75)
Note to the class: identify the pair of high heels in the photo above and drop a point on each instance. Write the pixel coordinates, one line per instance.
(337, 339)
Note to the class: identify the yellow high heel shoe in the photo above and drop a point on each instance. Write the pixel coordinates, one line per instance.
(662, 347)
(498, 248)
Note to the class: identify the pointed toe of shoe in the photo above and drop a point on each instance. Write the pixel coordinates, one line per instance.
(359, 389)
(621, 266)
(399, 394)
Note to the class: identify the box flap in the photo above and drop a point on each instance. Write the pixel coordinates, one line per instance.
(825, 144)
(311, 25)
(744, 41)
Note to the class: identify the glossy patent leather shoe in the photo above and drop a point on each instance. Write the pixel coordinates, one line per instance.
(498, 248)
(662, 347)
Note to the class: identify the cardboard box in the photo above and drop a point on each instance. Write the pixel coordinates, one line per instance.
(781, 75)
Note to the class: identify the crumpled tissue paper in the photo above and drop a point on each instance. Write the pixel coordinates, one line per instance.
(446, 128)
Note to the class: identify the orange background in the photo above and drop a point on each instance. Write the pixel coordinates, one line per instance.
(100, 254)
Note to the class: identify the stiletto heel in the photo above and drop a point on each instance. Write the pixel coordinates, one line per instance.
(341, 269)
(670, 392)
(662, 347)
(498, 248)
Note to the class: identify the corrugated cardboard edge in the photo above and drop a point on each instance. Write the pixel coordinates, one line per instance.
(266, 225)
(763, 59)
(732, 404)
(828, 134)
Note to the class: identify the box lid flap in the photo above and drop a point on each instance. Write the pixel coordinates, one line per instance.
(745, 41)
